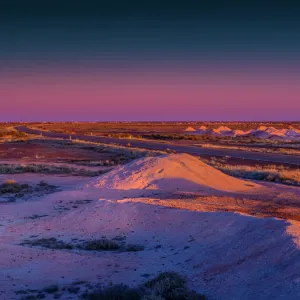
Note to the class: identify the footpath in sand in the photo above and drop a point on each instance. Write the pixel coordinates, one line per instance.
(223, 235)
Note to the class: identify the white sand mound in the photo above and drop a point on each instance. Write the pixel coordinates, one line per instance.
(169, 173)
(202, 130)
(262, 132)
(224, 128)
(262, 128)
(190, 129)
(239, 132)
(273, 133)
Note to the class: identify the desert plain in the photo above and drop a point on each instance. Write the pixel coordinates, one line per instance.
(152, 211)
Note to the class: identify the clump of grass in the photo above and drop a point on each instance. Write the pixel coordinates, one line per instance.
(44, 186)
(12, 133)
(35, 216)
(102, 244)
(134, 247)
(166, 286)
(170, 286)
(290, 177)
(271, 173)
(51, 243)
(92, 245)
(51, 289)
(116, 292)
(10, 186)
(47, 169)
(17, 190)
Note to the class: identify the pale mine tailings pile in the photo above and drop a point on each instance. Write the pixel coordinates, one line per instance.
(190, 129)
(261, 132)
(169, 173)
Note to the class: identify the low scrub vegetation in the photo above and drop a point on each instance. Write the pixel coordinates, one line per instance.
(271, 173)
(166, 286)
(11, 132)
(51, 243)
(47, 169)
(134, 248)
(289, 151)
(91, 245)
(98, 245)
(128, 153)
(10, 186)
(210, 141)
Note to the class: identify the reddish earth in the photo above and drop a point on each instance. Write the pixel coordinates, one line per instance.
(49, 153)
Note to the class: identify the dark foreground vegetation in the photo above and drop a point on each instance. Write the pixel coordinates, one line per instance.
(91, 245)
(11, 188)
(166, 286)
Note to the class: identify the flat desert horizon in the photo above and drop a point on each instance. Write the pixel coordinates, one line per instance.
(149, 150)
(150, 210)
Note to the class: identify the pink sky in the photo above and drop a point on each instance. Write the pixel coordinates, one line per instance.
(149, 96)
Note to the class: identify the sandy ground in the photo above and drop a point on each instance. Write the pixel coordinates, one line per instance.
(191, 218)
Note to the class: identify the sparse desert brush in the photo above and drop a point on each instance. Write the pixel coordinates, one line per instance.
(10, 186)
(290, 175)
(91, 245)
(108, 245)
(47, 169)
(262, 147)
(51, 289)
(51, 243)
(102, 244)
(166, 286)
(10, 133)
(170, 286)
(115, 292)
(271, 173)
(134, 247)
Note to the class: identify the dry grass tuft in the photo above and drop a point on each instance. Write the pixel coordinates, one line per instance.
(47, 169)
(102, 244)
(271, 173)
(91, 245)
(12, 187)
(51, 243)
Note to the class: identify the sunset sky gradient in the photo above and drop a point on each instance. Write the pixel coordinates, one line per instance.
(89, 61)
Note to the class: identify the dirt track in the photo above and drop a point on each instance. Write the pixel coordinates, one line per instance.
(193, 150)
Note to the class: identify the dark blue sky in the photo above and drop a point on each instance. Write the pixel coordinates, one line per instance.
(148, 30)
(149, 60)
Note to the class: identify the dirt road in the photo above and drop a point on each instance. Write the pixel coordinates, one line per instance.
(193, 150)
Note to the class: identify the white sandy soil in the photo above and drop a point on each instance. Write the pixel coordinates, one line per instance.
(224, 255)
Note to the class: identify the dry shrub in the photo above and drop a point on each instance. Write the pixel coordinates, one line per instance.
(171, 286)
(12, 187)
(271, 173)
(51, 243)
(102, 244)
(167, 286)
